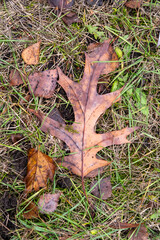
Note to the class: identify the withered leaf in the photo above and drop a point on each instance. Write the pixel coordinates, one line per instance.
(139, 234)
(119, 225)
(40, 168)
(31, 211)
(48, 202)
(88, 105)
(94, 2)
(16, 137)
(42, 84)
(70, 18)
(61, 4)
(30, 55)
(16, 77)
(102, 189)
(133, 4)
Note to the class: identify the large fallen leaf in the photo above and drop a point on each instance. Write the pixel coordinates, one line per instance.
(40, 168)
(30, 55)
(102, 189)
(138, 234)
(88, 105)
(42, 84)
(48, 202)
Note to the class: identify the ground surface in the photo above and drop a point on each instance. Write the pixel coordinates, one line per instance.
(135, 167)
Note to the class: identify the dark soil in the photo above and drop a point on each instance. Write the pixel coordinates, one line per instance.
(8, 197)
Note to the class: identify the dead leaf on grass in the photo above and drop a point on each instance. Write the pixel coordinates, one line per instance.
(42, 84)
(30, 55)
(88, 105)
(48, 202)
(16, 137)
(133, 4)
(61, 4)
(70, 18)
(119, 225)
(40, 168)
(94, 2)
(109, 55)
(16, 77)
(103, 188)
(139, 234)
(31, 211)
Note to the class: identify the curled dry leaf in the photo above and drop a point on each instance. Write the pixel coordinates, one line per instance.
(139, 233)
(31, 211)
(48, 202)
(102, 189)
(16, 137)
(30, 55)
(119, 225)
(40, 168)
(16, 77)
(88, 105)
(133, 4)
(70, 18)
(42, 84)
(94, 2)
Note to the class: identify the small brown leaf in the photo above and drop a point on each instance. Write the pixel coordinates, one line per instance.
(30, 55)
(48, 202)
(138, 234)
(70, 18)
(16, 137)
(103, 189)
(42, 84)
(40, 167)
(133, 4)
(16, 77)
(119, 225)
(94, 2)
(61, 4)
(31, 211)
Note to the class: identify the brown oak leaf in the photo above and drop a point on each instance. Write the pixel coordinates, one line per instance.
(30, 55)
(88, 105)
(40, 168)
